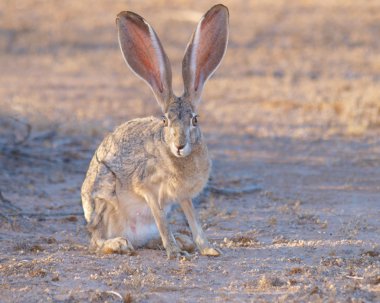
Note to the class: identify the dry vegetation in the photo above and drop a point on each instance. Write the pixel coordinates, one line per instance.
(294, 109)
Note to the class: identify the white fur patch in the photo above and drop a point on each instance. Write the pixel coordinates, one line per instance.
(157, 48)
(193, 59)
(143, 231)
(139, 225)
(87, 209)
(182, 152)
(186, 150)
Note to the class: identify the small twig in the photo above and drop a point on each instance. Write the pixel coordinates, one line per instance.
(233, 192)
(112, 292)
(7, 203)
(355, 277)
(46, 135)
(49, 215)
(5, 218)
(28, 131)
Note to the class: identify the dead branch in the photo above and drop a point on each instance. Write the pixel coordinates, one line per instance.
(15, 152)
(7, 203)
(233, 192)
(28, 131)
(58, 214)
(15, 148)
(8, 209)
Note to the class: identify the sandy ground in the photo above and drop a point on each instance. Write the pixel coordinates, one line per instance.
(294, 109)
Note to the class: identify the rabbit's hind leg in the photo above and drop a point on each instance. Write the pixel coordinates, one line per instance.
(106, 224)
(117, 245)
(106, 233)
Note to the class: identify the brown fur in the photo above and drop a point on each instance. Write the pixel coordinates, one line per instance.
(147, 164)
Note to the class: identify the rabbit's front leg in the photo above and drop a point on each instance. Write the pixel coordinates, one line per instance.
(199, 236)
(168, 240)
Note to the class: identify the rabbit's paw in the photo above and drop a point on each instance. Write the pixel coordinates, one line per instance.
(174, 252)
(117, 245)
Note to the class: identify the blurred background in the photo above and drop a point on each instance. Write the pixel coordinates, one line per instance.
(301, 69)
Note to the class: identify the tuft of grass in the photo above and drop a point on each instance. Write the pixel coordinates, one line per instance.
(27, 247)
(295, 271)
(128, 298)
(267, 282)
(41, 273)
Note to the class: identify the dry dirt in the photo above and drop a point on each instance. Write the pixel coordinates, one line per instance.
(294, 109)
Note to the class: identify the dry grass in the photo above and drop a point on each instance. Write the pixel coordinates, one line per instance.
(294, 108)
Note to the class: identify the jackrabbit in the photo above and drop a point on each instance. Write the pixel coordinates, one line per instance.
(147, 164)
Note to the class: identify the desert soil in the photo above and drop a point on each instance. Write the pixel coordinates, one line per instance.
(293, 110)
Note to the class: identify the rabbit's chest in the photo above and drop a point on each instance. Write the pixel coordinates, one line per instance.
(186, 182)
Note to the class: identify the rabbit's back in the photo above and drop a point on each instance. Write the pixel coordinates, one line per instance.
(121, 154)
(130, 147)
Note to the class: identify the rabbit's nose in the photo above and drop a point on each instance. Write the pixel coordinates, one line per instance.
(180, 147)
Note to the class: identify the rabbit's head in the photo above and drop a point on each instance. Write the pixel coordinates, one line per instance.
(145, 55)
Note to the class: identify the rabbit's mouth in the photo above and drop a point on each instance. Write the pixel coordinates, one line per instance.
(180, 152)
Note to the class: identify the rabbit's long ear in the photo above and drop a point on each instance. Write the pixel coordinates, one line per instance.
(144, 54)
(205, 50)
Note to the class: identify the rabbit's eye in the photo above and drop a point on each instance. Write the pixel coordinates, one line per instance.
(194, 121)
(165, 121)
